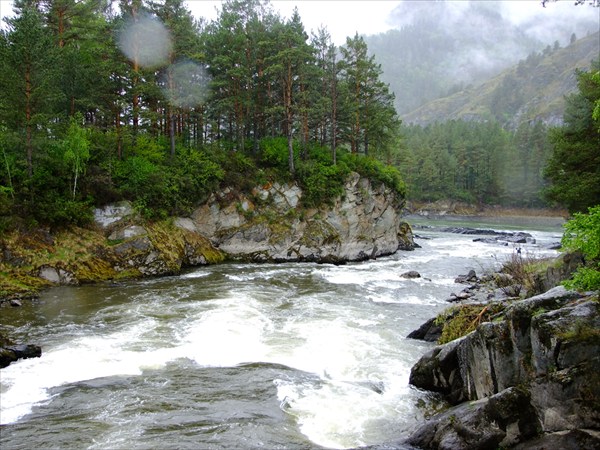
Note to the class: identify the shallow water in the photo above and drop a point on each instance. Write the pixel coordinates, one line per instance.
(235, 355)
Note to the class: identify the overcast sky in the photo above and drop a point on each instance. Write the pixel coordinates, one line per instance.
(346, 17)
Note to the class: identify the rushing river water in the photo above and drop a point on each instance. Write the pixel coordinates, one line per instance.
(235, 356)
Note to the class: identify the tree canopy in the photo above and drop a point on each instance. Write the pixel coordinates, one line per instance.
(574, 167)
(101, 103)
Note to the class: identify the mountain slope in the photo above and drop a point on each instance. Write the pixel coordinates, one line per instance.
(530, 91)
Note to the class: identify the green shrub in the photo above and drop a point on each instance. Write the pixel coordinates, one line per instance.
(376, 170)
(274, 152)
(582, 233)
(321, 183)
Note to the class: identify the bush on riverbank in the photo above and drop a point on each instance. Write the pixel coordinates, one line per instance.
(582, 233)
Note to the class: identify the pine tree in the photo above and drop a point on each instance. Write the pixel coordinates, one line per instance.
(28, 79)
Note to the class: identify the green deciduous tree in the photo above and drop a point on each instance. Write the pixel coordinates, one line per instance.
(76, 147)
(582, 233)
(574, 167)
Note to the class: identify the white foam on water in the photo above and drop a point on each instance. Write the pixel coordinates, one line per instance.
(228, 335)
(195, 274)
(27, 382)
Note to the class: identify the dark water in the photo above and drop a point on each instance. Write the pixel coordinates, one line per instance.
(234, 356)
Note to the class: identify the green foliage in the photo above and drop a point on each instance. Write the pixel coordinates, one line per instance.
(274, 152)
(574, 168)
(321, 183)
(458, 160)
(76, 147)
(582, 233)
(376, 170)
(82, 125)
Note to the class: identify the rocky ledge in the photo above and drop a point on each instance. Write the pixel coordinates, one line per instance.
(269, 224)
(526, 379)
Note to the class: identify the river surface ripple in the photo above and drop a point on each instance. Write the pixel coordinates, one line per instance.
(288, 356)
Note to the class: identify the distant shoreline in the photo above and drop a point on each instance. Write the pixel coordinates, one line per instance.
(455, 213)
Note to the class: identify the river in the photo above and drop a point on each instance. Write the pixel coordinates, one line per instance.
(235, 356)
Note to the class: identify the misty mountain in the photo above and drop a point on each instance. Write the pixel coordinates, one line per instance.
(532, 90)
(439, 48)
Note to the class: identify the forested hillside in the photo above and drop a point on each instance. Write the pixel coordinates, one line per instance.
(532, 90)
(144, 102)
(476, 163)
(439, 48)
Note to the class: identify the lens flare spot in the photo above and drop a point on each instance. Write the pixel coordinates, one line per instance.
(146, 41)
(185, 84)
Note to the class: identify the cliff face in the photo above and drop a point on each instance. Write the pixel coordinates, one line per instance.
(268, 226)
(531, 374)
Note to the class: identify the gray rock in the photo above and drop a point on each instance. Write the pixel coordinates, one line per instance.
(411, 274)
(430, 331)
(57, 275)
(548, 346)
(364, 223)
(114, 213)
(129, 232)
(495, 422)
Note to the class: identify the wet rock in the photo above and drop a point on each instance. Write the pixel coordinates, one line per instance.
(25, 351)
(411, 274)
(563, 440)
(6, 357)
(471, 277)
(430, 331)
(15, 302)
(495, 422)
(548, 346)
(439, 371)
(11, 352)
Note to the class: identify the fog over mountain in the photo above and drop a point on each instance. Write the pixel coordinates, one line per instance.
(439, 47)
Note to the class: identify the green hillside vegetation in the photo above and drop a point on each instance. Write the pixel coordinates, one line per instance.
(437, 50)
(533, 90)
(477, 163)
(147, 104)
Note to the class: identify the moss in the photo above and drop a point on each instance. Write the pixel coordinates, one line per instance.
(580, 332)
(319, 232)
(171, 241)
(458, 321)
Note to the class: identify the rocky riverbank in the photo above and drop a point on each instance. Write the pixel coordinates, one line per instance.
(268, 224)
(526, 377)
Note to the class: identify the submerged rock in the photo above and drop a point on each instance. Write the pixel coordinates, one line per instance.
(11, 352)
(411, 274)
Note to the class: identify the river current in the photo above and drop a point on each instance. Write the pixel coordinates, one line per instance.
(236, 356)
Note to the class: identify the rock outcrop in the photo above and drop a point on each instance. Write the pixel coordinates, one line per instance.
(268, 224)
(529, 374)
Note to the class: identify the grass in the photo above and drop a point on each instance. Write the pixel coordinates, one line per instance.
(458, 321)
(87, 255)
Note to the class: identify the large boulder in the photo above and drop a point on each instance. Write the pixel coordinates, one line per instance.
(499, 421)
(547, 345)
